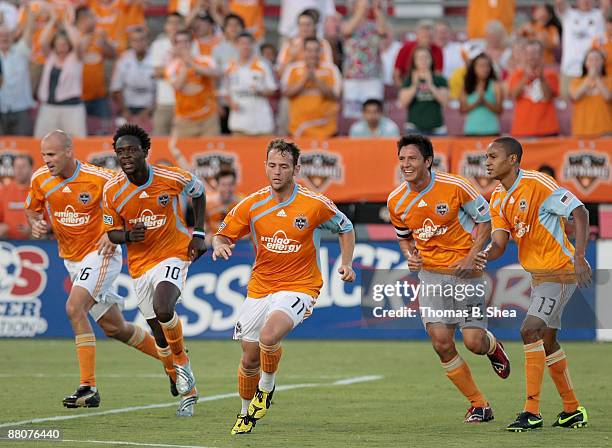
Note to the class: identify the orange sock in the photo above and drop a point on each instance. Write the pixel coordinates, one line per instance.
(270, 356)
(459, 373)
(535, 358)
(173, 330)
(143, 341)
(86, 353)
(557, 368)
(248, 379)
(165, 356)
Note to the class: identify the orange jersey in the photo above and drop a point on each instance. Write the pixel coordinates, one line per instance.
(12, 198)
(196, 100)
(481, 12)
(111, 18)
(73, 206)
(252, 12)
(531, 211)
(286, 238)
(310, 113)
(440, 218)
(293, 51)
(156, 204)
(94, 84)
(183, 7)
(206, 45)
(216, 211)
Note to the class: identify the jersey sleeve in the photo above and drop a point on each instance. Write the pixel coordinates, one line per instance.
(237, 222)
(561, 202)
(401, 230)
(111, 219)
(186, 183)
(472, 202)
(35, 201)
(498, 222)
(331, 218)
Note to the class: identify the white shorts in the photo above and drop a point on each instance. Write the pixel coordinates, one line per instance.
(97, 274)
(548, 301)
(254, 312)
(173, 270)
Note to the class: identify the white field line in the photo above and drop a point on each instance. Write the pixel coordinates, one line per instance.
(122, 442)
(347, 381)
(140, 375)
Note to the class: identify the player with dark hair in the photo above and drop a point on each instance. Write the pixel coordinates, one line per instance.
(284, 220)
(141, 209)
(530, 207)
(434, 215)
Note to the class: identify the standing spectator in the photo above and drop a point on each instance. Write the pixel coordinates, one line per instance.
(362, 68)
(222, 201)
(313, 88)
(161, 55)
(251, 12)
(203, 26)
(546, 28)
(580, 26)
(481, 12)
(13, 221)
(331, 33)
(269, 52)
(133, 82)
(97, 48)
(451, 49)
(193, 79)
(373, 124)
(182, 7)
(424, 38)
(592, 97)
(389, 49)
(291, 9)
(61, 85)
(9, 15)
(248, 83)
(517, 54)
(481, 98)
(604, 43)
(424, 94)
(15, 87)
(534, 89)
(113, 18)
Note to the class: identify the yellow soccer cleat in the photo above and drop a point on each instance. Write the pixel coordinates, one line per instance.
(244, 425)
(260, 404)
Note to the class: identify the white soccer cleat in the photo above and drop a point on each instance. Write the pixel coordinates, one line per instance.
(187, 405)
(185, 381)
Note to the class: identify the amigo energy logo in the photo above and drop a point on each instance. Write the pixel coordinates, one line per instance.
(22, 279)
(150, 220)
(71, 218)
(586, 169)
(280, 244)
(473, 166)
(320, 169)
(520, 228)
(206, 166)
(429, 230)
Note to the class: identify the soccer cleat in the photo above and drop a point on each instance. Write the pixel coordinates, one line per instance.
(244, 424)
(526, 421)
(187, 404)
(500, 361)
(479, 415)
(260, 404)
(83, 397)
(576, 419)
(173, 390)
(185, 381)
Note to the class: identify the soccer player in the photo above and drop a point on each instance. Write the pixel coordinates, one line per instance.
(285, 220)
(530, 207)
(141, 209)
(70, 193)
(434, 215)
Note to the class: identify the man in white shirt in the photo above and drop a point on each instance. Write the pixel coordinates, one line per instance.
(161, 55)
(291, 9)
(580, 26)
(451, 49)
(373, 123)
(248, 83)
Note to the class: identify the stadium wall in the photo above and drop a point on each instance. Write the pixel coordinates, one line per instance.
(34, 286)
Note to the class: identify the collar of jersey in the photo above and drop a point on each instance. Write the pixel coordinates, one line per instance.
(512, 188)
(65, 181)
(277, 206)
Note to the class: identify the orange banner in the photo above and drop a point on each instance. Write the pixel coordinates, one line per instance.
(351, 170)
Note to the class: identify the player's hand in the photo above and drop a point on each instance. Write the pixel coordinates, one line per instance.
(415, 262)
(137, 233)
(39, 229)
(197, 248)
(583, 271)
(346, 273)
(105, 247)
(464, 267)
(480, 262)
(223, 251)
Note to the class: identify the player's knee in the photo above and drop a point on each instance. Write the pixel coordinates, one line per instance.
(475, 344)
(443, 346)
(530, 334)
(163, 311)
(250, 360)
(112, 330)
(74, 311)
(268, 337)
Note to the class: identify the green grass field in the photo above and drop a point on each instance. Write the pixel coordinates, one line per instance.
(411, 405)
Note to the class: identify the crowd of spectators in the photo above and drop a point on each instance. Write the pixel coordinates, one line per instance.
(88, 66)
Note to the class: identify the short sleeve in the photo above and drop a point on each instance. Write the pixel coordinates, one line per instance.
(561, 202)
(237, 222)
(35, 201)
(111, 219)
(477, 209)
(498, 222)
(331, 218)
(194, 188)
(401, 230)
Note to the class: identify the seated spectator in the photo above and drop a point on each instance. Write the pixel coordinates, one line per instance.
(451, 49)
(373, 123)
(193, 79)
(544, 27)
(580, 26)
(269, 52)
(482, 98)
(248, 83)
(424, 95)
(481, 12)
(592, 97)
(15, 87)
(13, 221)
(424, 38)
(534, 89)
(61, 86)
(604, 43)
(362, 69)
(313, 88)
(161, 55)
(222, 201)
(133, 82)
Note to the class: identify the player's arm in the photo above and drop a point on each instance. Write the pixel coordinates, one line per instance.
(347, 247)
(477, 208)
(39, 226)
(581, 266)
(235, 225)
(33, 207)
(500, 234)
(197, 245)
(332, 219)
